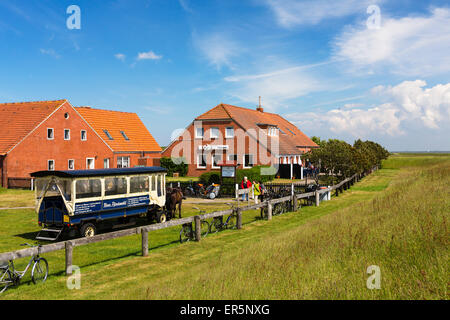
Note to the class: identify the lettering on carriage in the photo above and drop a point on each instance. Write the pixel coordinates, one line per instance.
(138, 201)
(114, 203)
(87, 207)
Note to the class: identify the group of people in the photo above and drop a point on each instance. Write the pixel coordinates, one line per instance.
(259, 190)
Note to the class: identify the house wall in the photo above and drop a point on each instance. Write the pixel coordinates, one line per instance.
(188, 147)
(35, 150)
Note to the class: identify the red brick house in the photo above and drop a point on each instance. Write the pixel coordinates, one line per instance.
(247, 137)
(53, 135)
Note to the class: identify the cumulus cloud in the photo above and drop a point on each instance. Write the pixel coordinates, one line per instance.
(290, 13)
(408, 105)
(148, 56)
(413, 46)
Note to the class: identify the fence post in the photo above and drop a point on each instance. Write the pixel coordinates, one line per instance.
(198, 228)
(239, 218)
(294, 203)
(317, 198)
(337, 192)
(144, 234)
(69, 253)
(269, 210)
(237, 192)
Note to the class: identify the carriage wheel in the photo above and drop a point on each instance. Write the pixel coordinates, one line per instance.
(161, 217)
(88, 230)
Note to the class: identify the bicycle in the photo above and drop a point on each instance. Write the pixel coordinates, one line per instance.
(218, 225)
(187, 231)
(10, 276)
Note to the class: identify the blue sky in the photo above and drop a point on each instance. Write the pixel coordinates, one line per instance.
(327, 66)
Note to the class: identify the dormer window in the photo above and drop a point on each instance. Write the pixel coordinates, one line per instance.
(108, 134)
(124, 135)
(272, 131)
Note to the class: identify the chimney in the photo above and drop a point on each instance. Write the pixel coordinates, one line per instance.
(260, 109)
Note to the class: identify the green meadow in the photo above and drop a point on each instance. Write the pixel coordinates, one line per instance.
(396, 219)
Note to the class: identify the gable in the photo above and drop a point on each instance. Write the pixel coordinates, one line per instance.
(18, 120)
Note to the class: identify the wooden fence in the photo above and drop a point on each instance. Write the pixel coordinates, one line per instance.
(144, 230)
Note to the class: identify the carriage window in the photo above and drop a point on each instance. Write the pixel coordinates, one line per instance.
(115, 186)
(159, 185)
(153, 183)
(88, 188)
(139, 184)
(41, 184)
(66, 189)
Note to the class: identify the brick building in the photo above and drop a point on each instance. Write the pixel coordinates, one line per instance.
(54, 135)
(229, 134)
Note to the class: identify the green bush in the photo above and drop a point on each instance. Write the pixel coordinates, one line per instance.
(179, 165)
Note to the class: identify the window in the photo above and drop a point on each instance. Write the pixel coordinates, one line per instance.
(90, 163)
(232, 157)
(51, 165)
(50, 134)
(272, 131)
(159, 185)
(123, 162)
(199, 132)
(66, 134)
(124, 135)
(71, 164)
(153, 183)
(214, 133)
(114, 186)
(88, 188)
(106, 163)
(229, 132)
(248, 161)
(108, 134)
(291, 131)
(216, 159)
(66, 188)
(281, 131)
(139, 184)
(83, 135)
(66, 115)
(201, 161)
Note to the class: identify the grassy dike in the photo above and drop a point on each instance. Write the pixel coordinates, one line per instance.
(395, 219)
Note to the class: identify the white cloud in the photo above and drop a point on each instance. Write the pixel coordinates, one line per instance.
(417, 46)
(409, 106)
(50, 52)
(120, 56)
(185, 5)
(217, 48)
(290, 13)
(148, 56)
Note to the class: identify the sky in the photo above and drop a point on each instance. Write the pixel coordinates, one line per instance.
(348, 69)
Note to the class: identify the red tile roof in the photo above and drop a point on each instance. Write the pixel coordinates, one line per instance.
(290, 137)
(18, 119)
(114, 122)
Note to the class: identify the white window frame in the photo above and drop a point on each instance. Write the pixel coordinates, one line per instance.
(226, 133)
(212, 161)
(128, 161)
(68, 130)
(53, 134)
(85, 135)
(196, 133)
(87, 160)
(211, 133)
(68, 164)
(107, 160)
(199, 166)
(243, 162)
(48, 165)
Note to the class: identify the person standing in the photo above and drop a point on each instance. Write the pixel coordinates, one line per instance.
(245, 184)
(256, 191)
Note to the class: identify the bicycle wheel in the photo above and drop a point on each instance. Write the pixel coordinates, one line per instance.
(215, 226)
(185, 233)
(39, 272)
(205, 228)
(231, 221)
(5, 279)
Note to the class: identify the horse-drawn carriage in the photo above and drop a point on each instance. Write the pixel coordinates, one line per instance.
(84, 201)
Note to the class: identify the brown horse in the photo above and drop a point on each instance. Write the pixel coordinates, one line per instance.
(174, 197)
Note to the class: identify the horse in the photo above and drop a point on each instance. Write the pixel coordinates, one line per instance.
(174, 196)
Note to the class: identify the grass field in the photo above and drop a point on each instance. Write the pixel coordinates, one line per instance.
(395, 218)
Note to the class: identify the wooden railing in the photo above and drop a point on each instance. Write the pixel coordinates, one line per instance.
(144, 230)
